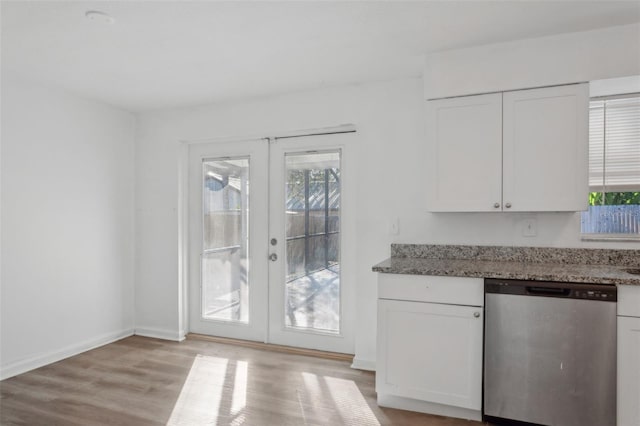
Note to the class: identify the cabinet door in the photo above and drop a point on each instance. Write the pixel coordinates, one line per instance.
(430, 352)
(628, 371)
(465, 153)
(545, 148)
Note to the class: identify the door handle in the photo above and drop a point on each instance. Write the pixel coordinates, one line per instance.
(273, 257)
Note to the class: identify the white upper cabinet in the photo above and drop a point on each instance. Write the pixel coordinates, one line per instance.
(465, 153)
(545, 149)
(524, 150)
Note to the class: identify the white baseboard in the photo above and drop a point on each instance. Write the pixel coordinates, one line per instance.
(363, 364)
(410, 404)
(40, 360)
(158, 333)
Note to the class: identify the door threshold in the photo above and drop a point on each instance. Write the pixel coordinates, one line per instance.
(274, 348)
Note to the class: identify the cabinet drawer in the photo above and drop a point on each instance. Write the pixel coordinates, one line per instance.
(428, 288)
(629, 300)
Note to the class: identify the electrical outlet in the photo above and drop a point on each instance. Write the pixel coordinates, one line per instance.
(529, 228)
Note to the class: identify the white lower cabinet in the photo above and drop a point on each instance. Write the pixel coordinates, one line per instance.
(628, 394)
(430, 354)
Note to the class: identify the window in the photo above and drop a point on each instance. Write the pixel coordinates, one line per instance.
(614, 168)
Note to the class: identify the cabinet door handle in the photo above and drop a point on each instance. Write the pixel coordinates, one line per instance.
(476, 314)
(508, 205)
(496, 206)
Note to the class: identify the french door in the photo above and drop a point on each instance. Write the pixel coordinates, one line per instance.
(228, 187)
(269, 241)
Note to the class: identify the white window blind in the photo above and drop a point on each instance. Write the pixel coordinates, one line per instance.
(614, 145)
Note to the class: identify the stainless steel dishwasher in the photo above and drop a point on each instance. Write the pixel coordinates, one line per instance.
(550, 353)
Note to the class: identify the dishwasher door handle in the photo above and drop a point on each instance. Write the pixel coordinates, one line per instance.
(549, 291)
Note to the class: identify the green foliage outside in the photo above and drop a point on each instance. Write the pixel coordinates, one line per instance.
(614, 198)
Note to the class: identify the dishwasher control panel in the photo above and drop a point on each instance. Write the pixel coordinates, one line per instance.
(600, 292)
(595, 294)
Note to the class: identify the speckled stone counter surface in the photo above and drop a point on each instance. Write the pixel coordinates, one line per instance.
(598, 266)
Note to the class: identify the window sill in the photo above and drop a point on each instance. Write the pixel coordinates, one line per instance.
(611, 237)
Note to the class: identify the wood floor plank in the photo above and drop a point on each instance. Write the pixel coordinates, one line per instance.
(144, 381)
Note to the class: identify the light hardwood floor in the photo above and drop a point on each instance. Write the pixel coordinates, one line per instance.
(143, 381)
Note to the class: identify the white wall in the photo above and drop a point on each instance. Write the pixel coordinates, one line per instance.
(391, 182)
(544, 61)
(67, 225)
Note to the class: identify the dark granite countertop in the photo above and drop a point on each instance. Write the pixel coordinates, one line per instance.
(493, 263)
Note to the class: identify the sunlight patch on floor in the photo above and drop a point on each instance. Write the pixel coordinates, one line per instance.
(216, 392)
(199, 399)
(340, 397)
(350, 402)
(239, 400)
(311, 384)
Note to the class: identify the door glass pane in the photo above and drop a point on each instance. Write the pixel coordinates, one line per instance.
(312, 197)
(225, 202)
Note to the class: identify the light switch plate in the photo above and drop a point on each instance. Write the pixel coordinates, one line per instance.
(394, 226)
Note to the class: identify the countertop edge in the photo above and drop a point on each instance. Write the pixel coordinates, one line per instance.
(422, 267)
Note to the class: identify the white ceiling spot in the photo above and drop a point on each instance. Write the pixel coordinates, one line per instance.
(164, 54)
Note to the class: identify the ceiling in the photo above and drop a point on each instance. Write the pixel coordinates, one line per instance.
(163, 54)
